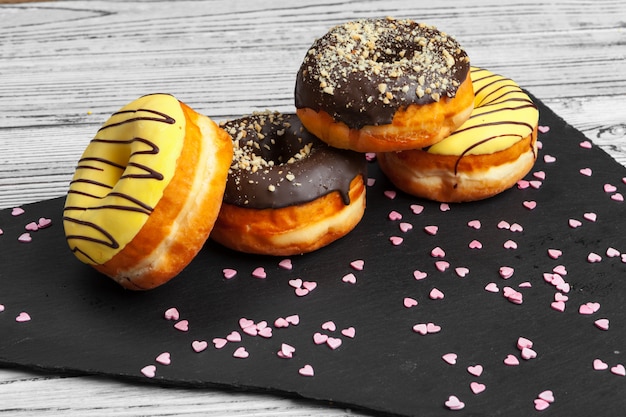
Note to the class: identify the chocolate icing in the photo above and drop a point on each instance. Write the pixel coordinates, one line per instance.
(363, 71)
(278, 163)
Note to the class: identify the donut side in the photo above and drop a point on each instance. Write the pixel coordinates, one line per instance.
(183, 219)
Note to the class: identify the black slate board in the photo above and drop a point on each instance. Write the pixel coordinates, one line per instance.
(82, 322)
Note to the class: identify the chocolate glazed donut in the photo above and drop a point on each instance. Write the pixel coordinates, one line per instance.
(287, 191)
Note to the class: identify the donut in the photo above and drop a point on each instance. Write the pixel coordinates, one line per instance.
(381, 85)
(489, 153)
(146, 191)
(287, 192)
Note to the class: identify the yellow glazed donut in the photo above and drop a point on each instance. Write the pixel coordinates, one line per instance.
(489, 153)
(147, 191)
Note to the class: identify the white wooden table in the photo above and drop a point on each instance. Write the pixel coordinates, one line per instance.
(65, 66)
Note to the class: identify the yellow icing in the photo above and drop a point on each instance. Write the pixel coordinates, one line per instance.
(122, 175)
(503, 115)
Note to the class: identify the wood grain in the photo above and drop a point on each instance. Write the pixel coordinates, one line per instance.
(65, 66)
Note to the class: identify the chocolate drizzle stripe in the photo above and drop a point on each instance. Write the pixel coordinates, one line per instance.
(458, 161)
(109, 240)
(163, 119)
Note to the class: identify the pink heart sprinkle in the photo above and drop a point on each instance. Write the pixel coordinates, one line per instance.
(259, 273)
(306, 370)
(503, 224)
(609, 188)
(573, 223)
(419, 275)
(229, 273)
(558, 306)
(442, 265)
(293, 319)
(436, 294)
(523, 342)
(617, 197)
(244, 322)
(564, 287)
(1, 308)
(199, 345)
(492, 287)
(475, 370)
(349, 279)
(528, 353)
(506, 272)
(554, 253)
(535, 184)
(235, 336)
(396, 240)
(523, 184)
(433, 328)
(22, 317)
(295, 283)
(618, 370)
(560, 269)
(309, 285)
(17, 211)
(548, 159)
(43, 222)
(285, 264)
(462, 271)
(287, 350)
(417, 209)
(585, 144)
(543, 129)
(612, 252)
(349, 332)
(357, 265)
(540, 404)
(319, 338)
(515, 227)
(511, 360)
(32, 226)
(587, 172)
(394, 215)
(477, 387)
(560, 297)
(405, 227)
(409, 302)
(437, 252)
(390, 194)
(602, 324)
(530, 205)
(450, 358)
(301, 292)
(164, 358)
(219, 342)
(149, 371)
(25, 238)
(241, 353)
(474, 224)
(171, 314)
(510, 244)
(590, 216)
(599, 365)
(593, 257)
(540, 175)
(265, 332)
(182, 325)
(444, 207)
(333, 342)
(281, 322)
(329, 325)
(453, 403)
(370, 156)
(475, 244)
(431, 230)
(251, 330)
(420, 328)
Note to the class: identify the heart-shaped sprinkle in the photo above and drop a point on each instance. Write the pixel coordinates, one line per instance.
(17, 211)
(229, 273)
(219, 342)
(585, 144)
(523, 342)
(516, 227)
(390, 194)
(419, 275)
(25, 238)
(329, 325)
(475, 370)
(1, 308)
(333, 342)
(555, 253)
(560, 297)
(420, 328)
(370, 156)
(461, 271)
(558, 306)
(587, 172)
(433, 328)
(32, 227)
(182, 325)
(394, 215)
(285, 264)
(609, 188)
(417, 209)
(617, 197)
(251, 331)
(265, 332)
(281, 322)
(511, 360)
(599, 365)
(523, 184)
(510, 244)
(540, 404)
(528, 353)
(164, 358)
(431, 230)
(286, 351)
(475, 244)
(543, 129)
(618, 369)
(295, 283)
(301, 292)
(560, 269)
(405, 227)
(592, 217)
(530, 204)
(539, 175)
(409, 302)
(535, 184)
(357, 265)
(506, 272)
(349, 278)
(573, 223)
(171, 314)
(474, 224)
(564, 287)
(477, 387)
(436, 294)
(349, 332)
(149, 371)
(503, 224)
(259, 272)
(235, 336)
(512, 295)
(306, 370)
(241, 353)
(548, 159)
(22, 317)
(602, 324)
(244, 322)
(309, 285)
(492, 287)
(612, 252)
(453, 403)
(319, 338)
(442, 265)
(43, 222)
(593, 257)
(437, 252)
(396, 240)
(293, 319)
(450, 358)
(444, 207)
(199, 345)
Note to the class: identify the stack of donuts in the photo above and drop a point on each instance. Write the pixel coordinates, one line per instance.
(159, 179)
